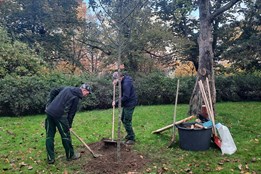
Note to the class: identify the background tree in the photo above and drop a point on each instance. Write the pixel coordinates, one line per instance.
(145, 38)
(182, 18)
(47, 26)
(206, 54)
(17, 59)
(242, 39)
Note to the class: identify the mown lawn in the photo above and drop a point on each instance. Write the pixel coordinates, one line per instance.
(22, 141)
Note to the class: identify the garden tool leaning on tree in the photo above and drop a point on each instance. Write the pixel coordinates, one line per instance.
(210, 111)
(174, 117)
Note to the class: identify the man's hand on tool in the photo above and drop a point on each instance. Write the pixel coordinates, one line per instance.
(113, 103)
(115, 82)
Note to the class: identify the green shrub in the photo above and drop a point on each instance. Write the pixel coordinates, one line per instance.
(28, 95)
(226, 89)
(243, 87)
(102, 94)
(249, 87)
(22, 95)
(159, 89)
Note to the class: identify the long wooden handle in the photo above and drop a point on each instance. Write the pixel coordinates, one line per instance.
(211, 106)
(79, 138)
(174, 115)
(204, 96)
(209, 95)
(171, 125)
(113, 112)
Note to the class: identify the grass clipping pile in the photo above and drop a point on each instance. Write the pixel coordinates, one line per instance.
(130, 160)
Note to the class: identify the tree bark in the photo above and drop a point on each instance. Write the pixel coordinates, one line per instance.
(206, 55)
(205, 69)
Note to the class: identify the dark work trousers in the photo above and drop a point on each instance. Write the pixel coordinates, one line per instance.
(126, 119)
(62, 125)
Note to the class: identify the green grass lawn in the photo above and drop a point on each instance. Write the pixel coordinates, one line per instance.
(22, 141)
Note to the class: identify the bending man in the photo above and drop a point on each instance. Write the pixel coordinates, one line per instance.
(61, 107)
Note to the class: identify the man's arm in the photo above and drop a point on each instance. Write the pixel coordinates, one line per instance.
(72, 111)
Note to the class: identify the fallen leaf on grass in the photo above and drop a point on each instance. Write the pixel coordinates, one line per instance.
(187, 169)
(148, 170)
(13, 166)
(240, 166)
(246, 166)
(220, 163)
(253, 160)
(165, 168)
(219, 168)
(207, 169)
(227, 160)
(10, 132)
(7, 160)
(30, 167)
(22, 164)
(196, 165)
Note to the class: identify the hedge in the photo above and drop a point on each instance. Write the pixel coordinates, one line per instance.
(27, 95)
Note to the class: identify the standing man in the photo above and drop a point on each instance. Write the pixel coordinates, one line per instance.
(61, 107)
(128, 101)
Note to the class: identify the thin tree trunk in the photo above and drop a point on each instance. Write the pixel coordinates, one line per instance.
(120, 107)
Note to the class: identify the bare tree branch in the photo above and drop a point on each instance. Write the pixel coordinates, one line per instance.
(159, 56)
(222, 9)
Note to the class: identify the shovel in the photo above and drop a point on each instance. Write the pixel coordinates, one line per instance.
(79, 138)
(112, 141)
(174, 117)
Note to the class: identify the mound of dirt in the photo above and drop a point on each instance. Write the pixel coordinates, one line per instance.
(130, 161)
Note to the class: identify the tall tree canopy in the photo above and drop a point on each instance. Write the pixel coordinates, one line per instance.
(45, 25)
(142, 37)
(242, 44)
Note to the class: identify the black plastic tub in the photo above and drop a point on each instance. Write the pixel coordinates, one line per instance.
(194, 139)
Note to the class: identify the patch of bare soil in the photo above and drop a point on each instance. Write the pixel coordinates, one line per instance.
(130, 160)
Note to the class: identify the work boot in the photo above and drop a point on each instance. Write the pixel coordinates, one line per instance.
(51, 161)
(75, 156)
(130, 142)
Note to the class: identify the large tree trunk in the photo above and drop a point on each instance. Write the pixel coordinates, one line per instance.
(205, 69)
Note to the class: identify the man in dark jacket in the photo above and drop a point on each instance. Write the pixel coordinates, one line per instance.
(61, 107)
(128, 102)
